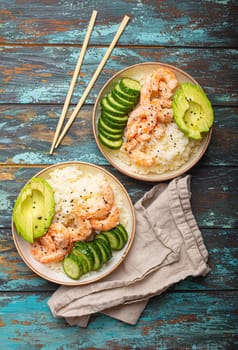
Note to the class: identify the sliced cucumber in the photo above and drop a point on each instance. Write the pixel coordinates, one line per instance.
(90, 256)
(104, 251)
(112, 124)
(108, 129)
(115, 108)
(97, 255)
(106, 246)
(72, 267)
(129, 104)
(102, 236)
(119, 234)
(109, 109)
(108, 135)
(114, 239)
(130, 86)
(122, 120)
(116, 144)
(121, 93)
(83, 248)
(123, 231)
(116, 105)
(83, 259)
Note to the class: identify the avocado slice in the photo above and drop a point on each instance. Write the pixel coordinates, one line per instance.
(192, 110)
(20, 225)
(34, 209)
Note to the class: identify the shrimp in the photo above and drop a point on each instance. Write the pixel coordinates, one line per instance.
(107, 223)
(146, 93)
(165, 75)
(140, 123)
(130, 145)
(97, 205)
(80, 228)
(142, 112)
(165, 115)
(53, 246)
(161, 102)
(161, 85)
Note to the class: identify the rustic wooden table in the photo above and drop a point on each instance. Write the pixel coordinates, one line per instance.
(40, 43)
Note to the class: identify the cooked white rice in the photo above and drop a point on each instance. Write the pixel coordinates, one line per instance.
(70, 184)
(171, 151)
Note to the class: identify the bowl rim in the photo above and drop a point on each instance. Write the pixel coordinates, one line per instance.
(148, 177)
(116, 264)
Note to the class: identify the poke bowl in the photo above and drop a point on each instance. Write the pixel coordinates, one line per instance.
(83, 197)
(139, 153)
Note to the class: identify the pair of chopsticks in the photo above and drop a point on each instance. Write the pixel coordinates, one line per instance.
(58, 137)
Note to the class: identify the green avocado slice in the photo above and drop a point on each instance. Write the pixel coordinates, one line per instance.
(192, 110)
(34, 209)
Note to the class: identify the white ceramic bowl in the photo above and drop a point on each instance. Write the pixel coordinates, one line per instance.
(59, 277)
(139, 71)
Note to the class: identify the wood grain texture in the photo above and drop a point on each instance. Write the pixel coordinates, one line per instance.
(214, 190)
(185, 23)
(16, 276)
(40, 42)
(170, 321)
(20, 142)
(42, 74)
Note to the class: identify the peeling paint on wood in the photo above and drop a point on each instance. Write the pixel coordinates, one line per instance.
(25, 81)
(152, 22)
(173, 325)
(40, 42)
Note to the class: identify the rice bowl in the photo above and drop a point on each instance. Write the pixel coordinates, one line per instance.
(68, 181)
(175, 152)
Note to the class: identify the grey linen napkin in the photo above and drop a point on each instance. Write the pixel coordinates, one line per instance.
(168, 247)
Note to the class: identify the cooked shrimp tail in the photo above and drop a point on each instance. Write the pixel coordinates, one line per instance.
(107, 223)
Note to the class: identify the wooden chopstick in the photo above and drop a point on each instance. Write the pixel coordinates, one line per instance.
(74, 80)
(94, 78)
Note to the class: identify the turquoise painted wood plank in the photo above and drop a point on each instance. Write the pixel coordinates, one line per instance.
(185, 23)
(170, 321)
(20, 143)
(223, 258)
(214, 193)
(43, 74)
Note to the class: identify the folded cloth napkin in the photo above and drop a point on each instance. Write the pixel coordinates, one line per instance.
(167, 247)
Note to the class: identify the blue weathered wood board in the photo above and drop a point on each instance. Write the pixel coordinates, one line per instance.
(40, 42)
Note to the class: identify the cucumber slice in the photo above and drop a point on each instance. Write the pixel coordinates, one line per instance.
(102, 236)
(117, 89)
(108, 129)
(72, 267)
(116, 144)
(83, 259)
(109, 109)
(84, 249)
(106, 245)
(117, 105)
(129, 104)
(112, 124)
(130, 86)
(114, 239)
(122, 120)
(103, 248)
(120, 236)
(98, 261)
(121, 228)
(109, 136)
